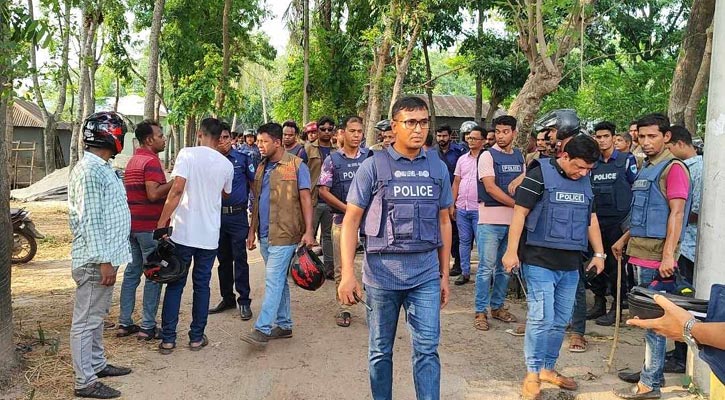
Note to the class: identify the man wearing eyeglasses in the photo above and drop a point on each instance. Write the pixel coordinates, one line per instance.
(403, 194)
(450, 152)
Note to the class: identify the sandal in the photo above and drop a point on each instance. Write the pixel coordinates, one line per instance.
(577, 343)
(519, 330)
(503, 315)
(126, 330)
(531, 389)
(166, 350)
(196, 346)
(558, 379)
(148, 334)
(480, 322)
(343, 319)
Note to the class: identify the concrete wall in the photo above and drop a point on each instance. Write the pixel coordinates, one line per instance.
(29, 135)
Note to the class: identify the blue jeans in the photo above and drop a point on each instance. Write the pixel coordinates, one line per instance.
(492, 241)
(550, 300)
(276, 304)
(653, 370)
(232, 256)
(467, 222)
(142, 244)
(422, 311)
(200, 277)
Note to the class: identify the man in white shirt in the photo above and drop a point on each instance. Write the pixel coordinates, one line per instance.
(200, 174)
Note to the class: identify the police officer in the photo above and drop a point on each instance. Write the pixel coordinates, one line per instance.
(249, 147)
(232, 253)
(403, 195)
(553, 217)
(660, 209)
(450, 152)
(612, 180)
(338, 171)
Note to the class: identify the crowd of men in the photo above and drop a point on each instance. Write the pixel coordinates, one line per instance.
(572, 213)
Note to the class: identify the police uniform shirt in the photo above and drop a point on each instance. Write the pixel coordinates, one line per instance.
(527, 195)
(244, 170)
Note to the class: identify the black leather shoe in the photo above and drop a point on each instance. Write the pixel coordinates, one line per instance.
(111, 370)
(245, 312)
(222, 306)
(462, 280)
(609, 318)
(598, 309)
(98, 391)
(631, 377)
(674, 366)
(455, 271)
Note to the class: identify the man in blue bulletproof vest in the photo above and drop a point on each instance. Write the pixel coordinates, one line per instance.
(401, 196)
(612, 180)
(553, 220)
(338, 170)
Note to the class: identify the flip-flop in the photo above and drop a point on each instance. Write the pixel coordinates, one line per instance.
(166, 350)
(204, 342)
(126, 330)
(343, 319)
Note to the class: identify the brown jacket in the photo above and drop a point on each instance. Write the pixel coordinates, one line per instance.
(314, 163)
(286, 221)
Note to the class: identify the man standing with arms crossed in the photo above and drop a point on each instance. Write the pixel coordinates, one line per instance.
(403, 194)
(201, 175)
(338, 171)
(232, 254)
(100, 222)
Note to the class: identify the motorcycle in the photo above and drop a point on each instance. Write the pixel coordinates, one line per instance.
(24, 236)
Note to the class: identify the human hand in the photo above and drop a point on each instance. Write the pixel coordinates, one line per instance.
(347, 290)
(308, 240)
(667, 266)
(618, 248)
(598, 263)
(445, 292)
(250, 241)
(452, 213)
(108, 274)
(670, 325)
(510, 261)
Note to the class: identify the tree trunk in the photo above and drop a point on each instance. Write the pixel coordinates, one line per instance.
(153, 70)
(222, 88)
(402, 69)
(160, 96)
(703, 79)
(527, 103)
(429, 86)
(326, 14)
(690, 59)
(306, 61)
(75, 146)
(493, 104)
(381, 57)
(478, 113)
(8, 357)
(190, 132)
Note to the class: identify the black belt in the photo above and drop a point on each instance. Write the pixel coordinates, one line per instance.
(228, 210)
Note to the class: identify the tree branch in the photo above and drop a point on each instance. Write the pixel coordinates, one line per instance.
(435, 78)
(541, 39)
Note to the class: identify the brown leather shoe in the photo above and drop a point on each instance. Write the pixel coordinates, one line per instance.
(558, 379)
(531, 389)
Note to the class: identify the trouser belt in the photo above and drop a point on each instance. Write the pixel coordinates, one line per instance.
(228, 210)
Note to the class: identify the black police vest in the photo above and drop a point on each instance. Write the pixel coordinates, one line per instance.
(612, 191)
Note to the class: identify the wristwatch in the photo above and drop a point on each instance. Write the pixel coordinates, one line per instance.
(687, 334)
(603, 256)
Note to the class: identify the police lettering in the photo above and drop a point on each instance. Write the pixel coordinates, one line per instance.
(348, 175)
(511, 168)
(605, 177)
(570, 197)
(413, 191)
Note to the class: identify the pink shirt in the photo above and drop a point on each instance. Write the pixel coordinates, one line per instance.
(468, 189)
(493, 215)
(678, 187)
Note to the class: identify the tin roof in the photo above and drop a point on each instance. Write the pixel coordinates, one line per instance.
(28, 114)
(457, 106)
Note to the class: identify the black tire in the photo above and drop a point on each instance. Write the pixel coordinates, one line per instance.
(24, 256)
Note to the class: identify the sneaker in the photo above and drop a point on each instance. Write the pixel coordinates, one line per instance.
(280, 333)
(111, 370)
(97, 391)
(255, 337)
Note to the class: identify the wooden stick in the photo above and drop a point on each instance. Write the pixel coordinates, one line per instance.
(619, 316)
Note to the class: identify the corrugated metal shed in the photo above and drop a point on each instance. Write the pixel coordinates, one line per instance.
(457, 106)
(27, 114)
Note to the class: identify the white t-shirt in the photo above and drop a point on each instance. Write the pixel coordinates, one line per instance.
(197, 219)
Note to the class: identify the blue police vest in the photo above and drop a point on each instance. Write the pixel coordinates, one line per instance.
(344, 171)
(403, 213)
(560, 220)
(507, 168)
(650, 207)
(612, 191)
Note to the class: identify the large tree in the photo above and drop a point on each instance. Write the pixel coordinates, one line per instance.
(152, 73)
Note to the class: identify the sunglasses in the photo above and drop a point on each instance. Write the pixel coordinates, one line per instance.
(327, 129)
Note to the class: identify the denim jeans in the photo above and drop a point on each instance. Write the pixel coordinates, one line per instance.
(232, 255)
(276, 304)
(142, 244)
(467, 222)
(422, 312)
(492, 241)
(653, 370)
(550, 300)
(200, 277)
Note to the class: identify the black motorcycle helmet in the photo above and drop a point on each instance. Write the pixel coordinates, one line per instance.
(308, 273)
(384, 125)
(565, 121)
(162, 266)
(105, 129)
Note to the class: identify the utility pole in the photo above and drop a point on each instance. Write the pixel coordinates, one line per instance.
(712, 215)
(306, 61)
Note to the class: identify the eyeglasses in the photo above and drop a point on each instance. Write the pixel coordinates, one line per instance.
(327, 129)
(473, 138)
(412, 123)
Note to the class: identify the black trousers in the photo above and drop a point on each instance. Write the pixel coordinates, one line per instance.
(455, 245)
(606, 282)
(232, 255)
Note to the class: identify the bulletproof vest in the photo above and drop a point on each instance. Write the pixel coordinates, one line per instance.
(507, 168)
(650, 207)
(344, 171)
(296, 150)
(612, 191)
(403, 214)
(560, 220)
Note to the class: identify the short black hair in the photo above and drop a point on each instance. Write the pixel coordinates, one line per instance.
(291, 124)
(350, 119)
(490, 130)
(633, 122)
(226, 127)
(605, 126)
(325, 120)
(479, 128)
(409, 103)
(211, 127)
(272, 129)
(145, 129)
(505, 120)
(680, 134)
(656, 119)
(446, 128)
(583, 147)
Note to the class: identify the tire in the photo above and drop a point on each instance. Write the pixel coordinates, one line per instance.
(24, 255)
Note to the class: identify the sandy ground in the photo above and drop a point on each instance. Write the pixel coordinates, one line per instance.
(321, 361)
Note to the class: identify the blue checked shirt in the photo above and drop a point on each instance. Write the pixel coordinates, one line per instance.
(688, 246)
(100, 220)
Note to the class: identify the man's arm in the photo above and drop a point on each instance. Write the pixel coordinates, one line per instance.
(307, 214)
(172, 201)
(595, 239)
(157, 191)
(456, 186)
(516, 183)
(674, 229)
(444, 253)
(511, 258)
(330, 199)
(490, 183)
(348, 244)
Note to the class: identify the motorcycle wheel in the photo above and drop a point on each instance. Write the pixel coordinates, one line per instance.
(24, 248)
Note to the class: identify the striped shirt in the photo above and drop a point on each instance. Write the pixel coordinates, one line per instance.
(99, 217)
(143, 167)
